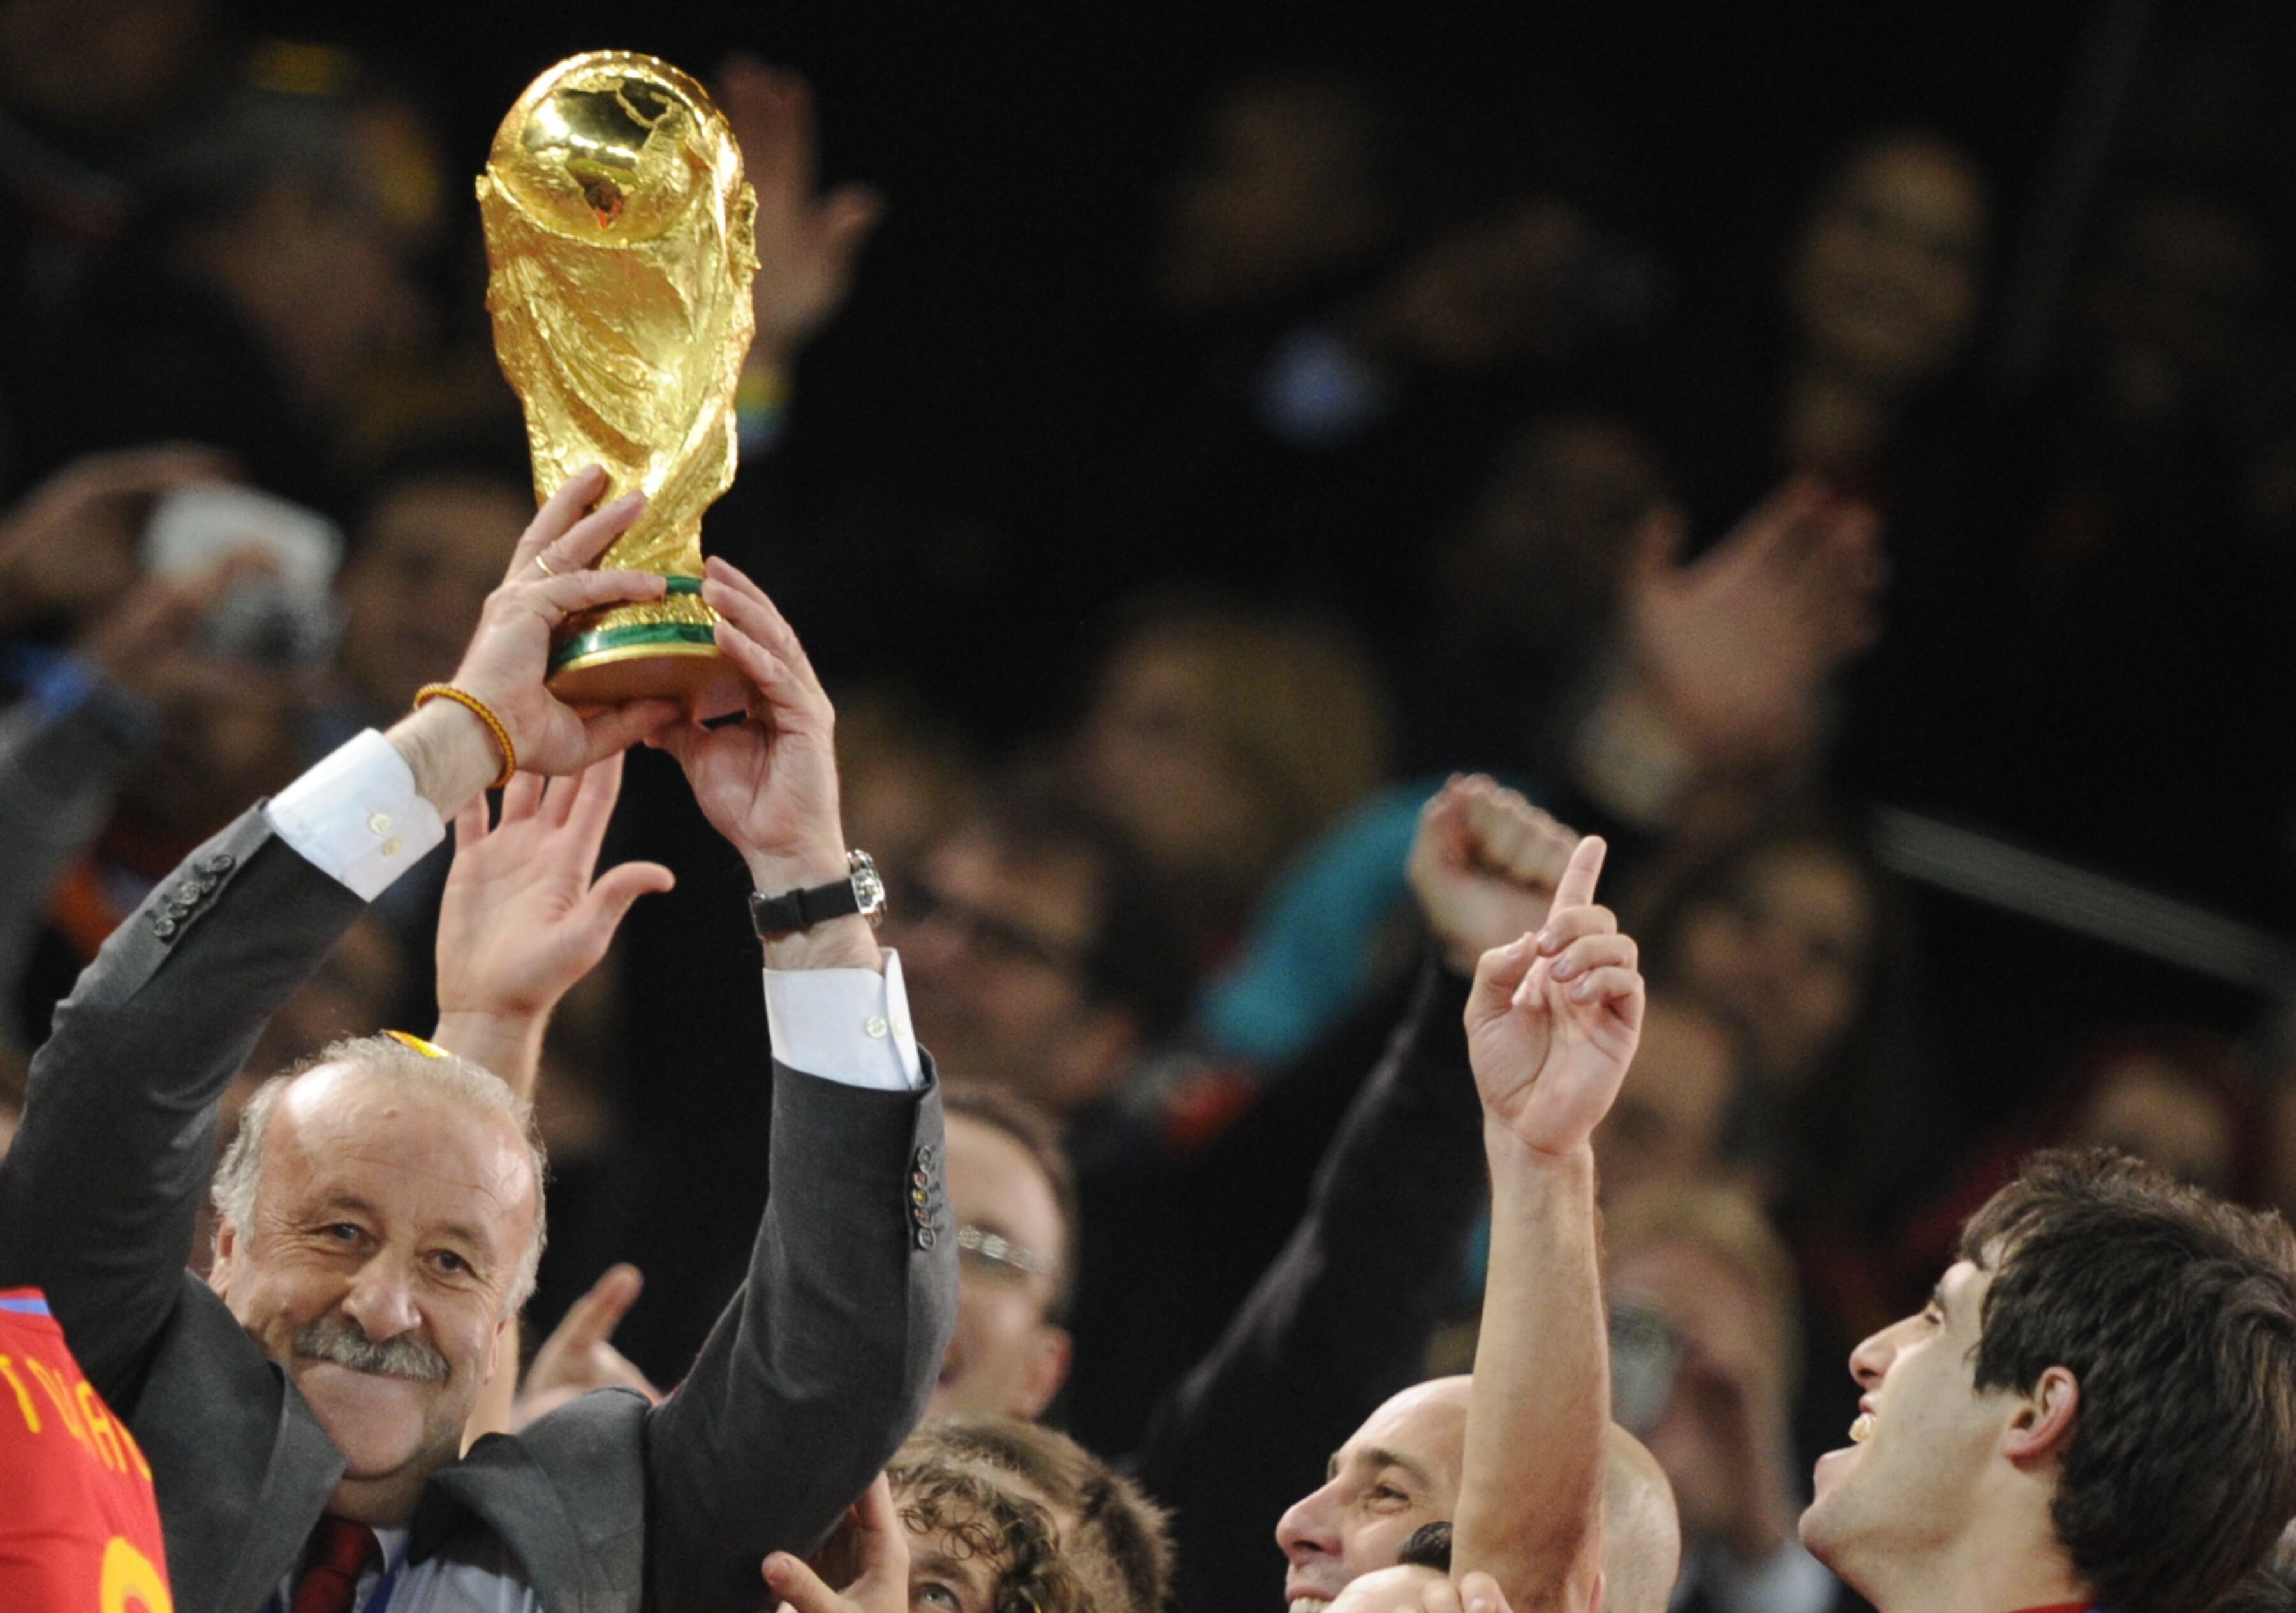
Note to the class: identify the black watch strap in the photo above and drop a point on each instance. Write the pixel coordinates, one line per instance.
(793, 911)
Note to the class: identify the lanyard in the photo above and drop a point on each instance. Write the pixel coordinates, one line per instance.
(377, 1600)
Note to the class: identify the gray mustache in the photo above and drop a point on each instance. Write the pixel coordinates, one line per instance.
(342, 1341)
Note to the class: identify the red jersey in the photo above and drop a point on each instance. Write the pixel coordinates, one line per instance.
(80, 1529)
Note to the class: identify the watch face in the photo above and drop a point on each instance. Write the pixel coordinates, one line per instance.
(868, 888)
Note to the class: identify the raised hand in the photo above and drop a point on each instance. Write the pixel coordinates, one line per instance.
(1484, 867)
(71, 544)
(1736, 646)
(873, 1533)
(547, 581)
(1553, 1018)
(807, 242)
(769, 784)
(522, 919)
(579, 1355)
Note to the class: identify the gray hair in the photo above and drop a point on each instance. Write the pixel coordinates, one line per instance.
(239, 1178)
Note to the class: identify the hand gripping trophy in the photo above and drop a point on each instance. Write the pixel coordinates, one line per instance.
(621, 239)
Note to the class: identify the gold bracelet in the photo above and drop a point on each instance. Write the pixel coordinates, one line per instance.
(484, 713)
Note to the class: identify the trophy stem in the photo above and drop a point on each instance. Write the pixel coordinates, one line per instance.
(663, 649)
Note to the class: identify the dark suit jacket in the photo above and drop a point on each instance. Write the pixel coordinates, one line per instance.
(817, 1370)
(1338, 1324)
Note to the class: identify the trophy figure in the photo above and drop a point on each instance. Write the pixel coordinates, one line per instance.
(620, 240)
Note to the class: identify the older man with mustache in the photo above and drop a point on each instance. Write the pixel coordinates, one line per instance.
(380, 1215)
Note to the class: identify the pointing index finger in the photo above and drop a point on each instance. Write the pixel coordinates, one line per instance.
(1576, 888)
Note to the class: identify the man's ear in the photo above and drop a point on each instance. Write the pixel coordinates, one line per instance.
(1047, 1370)
(226, 1244)
(2044, 1423)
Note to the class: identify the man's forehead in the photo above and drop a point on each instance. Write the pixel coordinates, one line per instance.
(1427, 1423)
(346, 1132)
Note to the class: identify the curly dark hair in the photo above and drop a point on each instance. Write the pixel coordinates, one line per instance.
(1118, 1542)
(980, 1519)
(2176, 1313)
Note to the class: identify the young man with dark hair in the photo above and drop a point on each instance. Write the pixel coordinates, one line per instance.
(2096, 1407)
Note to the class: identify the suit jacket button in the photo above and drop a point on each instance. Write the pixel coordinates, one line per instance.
(163, 927)
(926, 1239)
(222, 862)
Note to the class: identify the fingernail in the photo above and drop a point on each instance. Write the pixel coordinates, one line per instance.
(1584, 992)
(1545, 941)
(1565, 968)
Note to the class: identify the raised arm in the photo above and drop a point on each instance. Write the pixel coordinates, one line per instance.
(823, 1362)
(1552, 1024)
(1341, 1320)
(99, 1194)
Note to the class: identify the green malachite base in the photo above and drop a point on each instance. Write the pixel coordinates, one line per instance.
(606, 661)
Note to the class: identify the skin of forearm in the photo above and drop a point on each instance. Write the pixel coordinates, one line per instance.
(450, 753)
(1539, 1416)
(510, 1044)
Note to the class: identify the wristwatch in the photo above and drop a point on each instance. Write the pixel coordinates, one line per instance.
(860, 892)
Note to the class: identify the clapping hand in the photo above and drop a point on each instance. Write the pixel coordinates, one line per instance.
(1484, 867)
(1736, 646)
(1554, 1015)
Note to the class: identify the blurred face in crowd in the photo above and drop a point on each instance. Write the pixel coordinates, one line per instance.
(1914, 1483)
(2172, 311)
(994, 949)
(1401, 1469)
(1280, 192)
(1884, 285)
(1732, 1365)
(1006, 1357)
(98, 68)
(427, 554)
(228, 734)
(386, 1233)
(1567, 499)
(1157, 765)
(2158, 1111)
(1787, 951)
(1667, 1125)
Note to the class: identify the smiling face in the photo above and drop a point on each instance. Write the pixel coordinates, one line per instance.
(1788, 947)
(1914, 1481)
(381, 1258)
(1400, 1470)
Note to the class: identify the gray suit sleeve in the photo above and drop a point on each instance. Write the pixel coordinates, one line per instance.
(823, 1362)
(99, 1195)
(1341, 1320)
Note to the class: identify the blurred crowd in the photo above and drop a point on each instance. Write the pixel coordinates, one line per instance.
(1406, 464)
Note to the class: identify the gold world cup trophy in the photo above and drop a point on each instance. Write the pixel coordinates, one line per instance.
(621, 238)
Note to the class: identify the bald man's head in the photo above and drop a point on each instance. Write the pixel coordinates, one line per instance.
(1413, 1449)
(1641, 1534)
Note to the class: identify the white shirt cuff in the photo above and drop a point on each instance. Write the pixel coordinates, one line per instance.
(355, 817)
(846, 1025)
